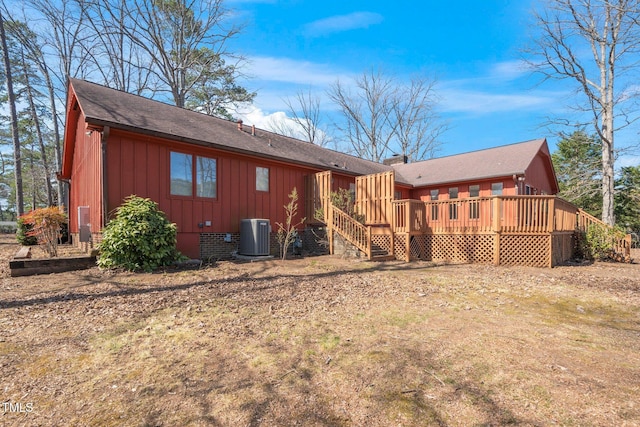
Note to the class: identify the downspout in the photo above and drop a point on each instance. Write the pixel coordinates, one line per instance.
(104, 179)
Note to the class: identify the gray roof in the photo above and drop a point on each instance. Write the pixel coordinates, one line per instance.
(110, 107)
(476, 165)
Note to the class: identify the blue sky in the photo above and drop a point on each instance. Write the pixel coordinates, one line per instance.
(471, 47)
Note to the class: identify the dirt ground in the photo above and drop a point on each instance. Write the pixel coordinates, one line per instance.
(322, 341)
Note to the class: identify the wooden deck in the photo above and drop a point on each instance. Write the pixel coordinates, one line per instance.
(538, 231)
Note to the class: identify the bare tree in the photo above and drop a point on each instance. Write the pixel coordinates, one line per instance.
(593, 43)
(185, 42)
(14, 120)
(32, 50)
(306, 114)
(369, 121)
(419, 124)
(381, 115)
(35, 119)
(121, 63)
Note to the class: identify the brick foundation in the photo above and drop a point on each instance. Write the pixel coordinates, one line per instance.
(213, 245)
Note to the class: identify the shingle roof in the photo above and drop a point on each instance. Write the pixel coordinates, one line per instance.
(109, 107)
(483, 164)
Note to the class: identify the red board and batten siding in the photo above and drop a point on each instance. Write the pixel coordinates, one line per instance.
(424, 193)
(140, 165)
(87, 175)
(539, 174)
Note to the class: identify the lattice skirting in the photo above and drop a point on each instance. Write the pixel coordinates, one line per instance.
(521, 249)
(382, 241)
(514, 249)
(400, 249)
(477, 248)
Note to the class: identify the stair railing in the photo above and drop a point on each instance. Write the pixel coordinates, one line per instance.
(357, 234)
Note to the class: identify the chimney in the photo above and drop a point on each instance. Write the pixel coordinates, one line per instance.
(239, 124)
(396, 159)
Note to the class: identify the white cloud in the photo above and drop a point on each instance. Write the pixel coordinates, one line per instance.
(292, 71)
(274, 122)
(340, 23)
(474, 101)
(509, 70)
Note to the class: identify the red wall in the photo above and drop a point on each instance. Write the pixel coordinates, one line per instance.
(86, 178)
(139, 165)
(538, 177)
(424, 193)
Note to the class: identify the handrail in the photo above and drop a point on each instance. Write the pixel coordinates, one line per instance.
(621, 245)
(356, 233)
(506, 214)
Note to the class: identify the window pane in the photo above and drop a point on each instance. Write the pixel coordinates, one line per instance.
(496, 189)
(262, 179)
(181, 174)
(474, 190)
(453, 193)
(434, 194)
(206, 177)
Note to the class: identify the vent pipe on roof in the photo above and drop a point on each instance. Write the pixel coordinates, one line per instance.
(253, 130)
(239, 124)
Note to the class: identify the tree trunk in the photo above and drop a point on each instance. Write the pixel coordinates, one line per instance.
(36, 122)
(14, 121)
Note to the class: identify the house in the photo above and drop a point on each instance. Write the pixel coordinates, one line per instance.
(516, 169)
(208, 174)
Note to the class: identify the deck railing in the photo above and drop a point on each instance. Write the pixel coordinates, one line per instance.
(409, 215)
(517, 214)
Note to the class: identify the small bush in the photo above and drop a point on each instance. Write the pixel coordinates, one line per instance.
(22, 234)
(343, 200)
(287, 232)
(45, 225)
(598, 242)
(140, 237)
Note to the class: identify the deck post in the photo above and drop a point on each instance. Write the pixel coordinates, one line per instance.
(551, 225)
(497, 217)
(329, 211)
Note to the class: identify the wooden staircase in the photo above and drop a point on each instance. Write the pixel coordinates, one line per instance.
(357, 234)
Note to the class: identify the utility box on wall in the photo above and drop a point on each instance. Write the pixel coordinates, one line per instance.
(84, 225)
(254, 237)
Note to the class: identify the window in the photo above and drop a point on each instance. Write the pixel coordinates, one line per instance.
(183, 174)
(453, 207)
(474, 205)
(434, 208)
(262, 179)
(206, 177)
(496, 189)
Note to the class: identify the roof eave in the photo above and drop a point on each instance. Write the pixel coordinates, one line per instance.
(173, 137)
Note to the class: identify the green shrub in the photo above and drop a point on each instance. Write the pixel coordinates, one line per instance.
(598, 242)
(139, 238)
(22, 234)
(343, 200)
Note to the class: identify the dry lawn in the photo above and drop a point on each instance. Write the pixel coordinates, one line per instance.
(322, 341)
